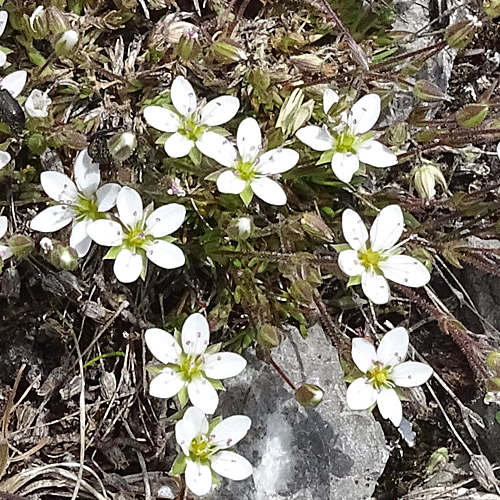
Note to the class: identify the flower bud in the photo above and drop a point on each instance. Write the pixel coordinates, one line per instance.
(240, 229)
(39, 23)
(428, 91)
(66, 43)
(46, 245)
(309, 395)
(316, 227)
(397, 133)
(178, 29)
(57, 20)
(227, 52)
(21, 245)
(268, 336)
(307, 63)
(122, 145)
(471, 115)
(425, 178)
(303, 292)
(294, 114)
(460, 34)
(62, 257)
(492, 8)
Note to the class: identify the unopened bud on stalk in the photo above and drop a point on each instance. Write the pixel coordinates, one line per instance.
(57, 20)
(492, 8)
(316, 227)
(240, 229)
(460, 34)
(66, 43)
(471, 115)
(39, 23)
(428, 91)
(309, 395)
(21, 245)
(268, 336)
(62, 257)
(294, 114)
(425, 178)
(227, 52)
(122, 145)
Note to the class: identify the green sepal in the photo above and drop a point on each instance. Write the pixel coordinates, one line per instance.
(366, 136)
(195, 156)
(246, 195)
(178, 336)
(144, 264)
(341, 247)
(213, 423)
(326, 157)
(163, 138)
(183, 396)
(156, 369)
(214, 348)
(217, 384)
(215, 478)
(354, 280)
(113, 252)
(179, 465)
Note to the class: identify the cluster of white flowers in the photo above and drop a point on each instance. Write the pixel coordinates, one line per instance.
(248, 169)
(134, 234)
(192, 370)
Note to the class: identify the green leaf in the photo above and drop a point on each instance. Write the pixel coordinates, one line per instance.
(183, 396)
(354, 280)
(214, 348)
(326, 157)
(213, 423)
(113, 252)
(341, 247)
(246, 195)
(155, 369)
(217, 384)
(179, 465)
(195, 156)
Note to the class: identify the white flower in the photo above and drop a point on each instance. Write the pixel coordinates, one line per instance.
(79, 202)
(249, 169)
(5, 251)
(140, 235)
(192, 367)
(191, 123)
(375, 261)
(46, 245)
(37, 103)
(351, 141)
(4, 159)
(384, 370)
(14, 82)
(4, 16)
(206, 450)
(66, 42)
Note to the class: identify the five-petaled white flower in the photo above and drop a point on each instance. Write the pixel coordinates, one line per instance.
(79, 202)
(191, 368)
(37, 104)
(139, 235)
(206, 450)
(375, 261)
(190, 125)
(384, 369)
(5, 251)
(249, 168)
(350, 142)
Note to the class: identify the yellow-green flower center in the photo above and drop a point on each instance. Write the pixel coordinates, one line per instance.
(137, 238)
(191, 129)
(345, 142)
(190, 367)
(369, 259)
(201, 448)
(378, 375)
(86, 208)
(246, 170)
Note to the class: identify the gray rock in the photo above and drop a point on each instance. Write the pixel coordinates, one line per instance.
(323, 453)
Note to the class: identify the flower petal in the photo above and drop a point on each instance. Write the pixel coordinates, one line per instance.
(162, 345)
(3, 58)
(363, 354)
(59, 187)
(193, 424)
(330, 97)
(230, 431)
(86, 172)
(219, 110)
(4, 159)
(4, 16)
(127, 266)
(349, 263)
(345, 165)
(360, 395)
(268, 190)
(364, 114)
(389, 406)
(52, 219)
(167, 384)
(387, 228)
(317, 138)
(203, 395)
(195, 335)
(5, 252)
(14, 82)
(198, 478)
(228, 182)
(4, 225)
(129, 205)
(165, 254)
(183, 96)
(79, 239)
(161, 118)
(277, 161)
(165, 220)
(354, 229)
(106, 232)
(405, 270)
(411, 374)
(374, 153)
(218, 148)
(178, 146)
(231, 465)
(106, 196)
(375, 287)
(393, 347)
(223, 365)
(249, 139)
